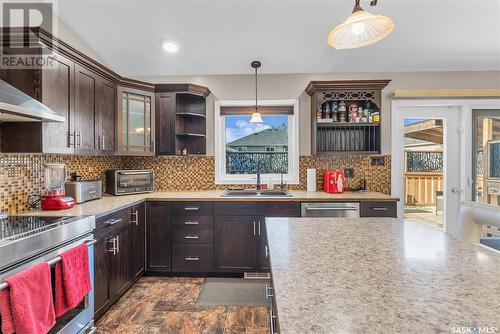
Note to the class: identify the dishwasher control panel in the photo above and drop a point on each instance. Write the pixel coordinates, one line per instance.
(330, 209)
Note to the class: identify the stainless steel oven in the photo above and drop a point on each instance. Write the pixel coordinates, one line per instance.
(124, 182)
(27, 241)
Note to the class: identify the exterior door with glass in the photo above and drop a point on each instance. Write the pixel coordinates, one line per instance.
(437, 128)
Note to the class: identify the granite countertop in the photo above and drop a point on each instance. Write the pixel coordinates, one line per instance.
(109, 203)
(379, 276)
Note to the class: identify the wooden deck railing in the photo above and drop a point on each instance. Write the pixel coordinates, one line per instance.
(420, 188)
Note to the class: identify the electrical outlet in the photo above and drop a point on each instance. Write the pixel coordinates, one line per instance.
(349, 172)
(378, 161)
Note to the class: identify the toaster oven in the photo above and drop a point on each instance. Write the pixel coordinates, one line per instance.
(124, 182)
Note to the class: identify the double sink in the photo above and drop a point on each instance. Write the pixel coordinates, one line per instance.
(256, 193)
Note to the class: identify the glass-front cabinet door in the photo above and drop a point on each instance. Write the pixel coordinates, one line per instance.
(136, 125)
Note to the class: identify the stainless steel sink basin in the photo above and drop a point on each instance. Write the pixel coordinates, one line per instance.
(256, 193)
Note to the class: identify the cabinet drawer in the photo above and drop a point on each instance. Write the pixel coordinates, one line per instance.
(193, 237)
(279, 209)
(193, 222)
(265, 209)
(112, 222)
(192, 208)
(378, 209)
(236, 209)
(192, 258)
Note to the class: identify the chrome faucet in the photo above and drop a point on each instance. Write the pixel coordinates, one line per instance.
(257, 186)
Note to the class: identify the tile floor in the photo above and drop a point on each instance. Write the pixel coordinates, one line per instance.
(168, 305)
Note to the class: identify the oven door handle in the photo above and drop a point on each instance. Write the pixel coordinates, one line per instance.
(134, 173)
(51, 262)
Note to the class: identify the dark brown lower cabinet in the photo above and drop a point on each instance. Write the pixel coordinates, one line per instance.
(240, 237)
(113, 259)
(101, 277)
(159, 237)
(138, 240)
(263, 264)
(378, 209)
(235, 243)
(192, 258)
(120, 278)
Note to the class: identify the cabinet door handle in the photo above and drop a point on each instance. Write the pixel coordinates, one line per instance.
(259, 227)
(254, 227)
(192, 258)
(71, 135)
(191, 208)
(113, 250)
(118, 244)
(379, 209)
(112, 221)
(78, 139)
(267, 250)
(268, 291)
(103, 143)
(191, 223)
(191, 237)
(136, 218)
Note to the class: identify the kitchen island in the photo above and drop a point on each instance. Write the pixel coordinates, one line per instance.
(378, 275)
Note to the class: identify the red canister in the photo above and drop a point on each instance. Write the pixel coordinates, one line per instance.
(333, 181)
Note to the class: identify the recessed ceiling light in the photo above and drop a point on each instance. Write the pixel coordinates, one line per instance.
(170, 46)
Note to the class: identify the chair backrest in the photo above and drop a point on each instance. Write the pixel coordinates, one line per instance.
(471, 218)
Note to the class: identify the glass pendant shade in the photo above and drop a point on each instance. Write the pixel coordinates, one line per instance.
(361, 28)
(256, 118)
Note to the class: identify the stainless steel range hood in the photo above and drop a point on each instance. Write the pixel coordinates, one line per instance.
(15, 106)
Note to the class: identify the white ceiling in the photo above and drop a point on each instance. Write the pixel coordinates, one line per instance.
(222, 37)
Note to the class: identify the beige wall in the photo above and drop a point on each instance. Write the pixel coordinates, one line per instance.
(287, 86)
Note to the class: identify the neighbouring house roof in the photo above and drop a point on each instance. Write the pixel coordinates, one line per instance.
(268, 137)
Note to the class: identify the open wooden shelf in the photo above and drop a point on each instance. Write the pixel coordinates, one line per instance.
(342, 138)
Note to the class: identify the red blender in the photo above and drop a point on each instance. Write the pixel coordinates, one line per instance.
(54, 199)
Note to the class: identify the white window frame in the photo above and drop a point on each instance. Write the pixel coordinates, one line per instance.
(221, 177)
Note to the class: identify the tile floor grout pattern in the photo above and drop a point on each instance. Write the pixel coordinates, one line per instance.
(168, 305)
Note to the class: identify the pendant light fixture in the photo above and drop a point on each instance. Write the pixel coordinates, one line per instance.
(256, 117)
(361, 28)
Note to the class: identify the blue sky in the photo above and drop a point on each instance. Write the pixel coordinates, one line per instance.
(240, 126)
(409, 121)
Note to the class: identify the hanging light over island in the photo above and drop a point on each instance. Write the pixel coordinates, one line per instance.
(360, 29)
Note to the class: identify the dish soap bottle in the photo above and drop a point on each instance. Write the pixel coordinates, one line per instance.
(270, 183)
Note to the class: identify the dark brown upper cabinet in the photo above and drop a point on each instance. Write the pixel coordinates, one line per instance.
(77, 88)
(333, 130)
(106, 117)
(181, 119)
(85, 110)
(53, 85)
(136, 122)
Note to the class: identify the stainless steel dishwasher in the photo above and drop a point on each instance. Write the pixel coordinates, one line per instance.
(330, 209)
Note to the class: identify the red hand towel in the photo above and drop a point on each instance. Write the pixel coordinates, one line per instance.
(72, 282)
(31, 305)
(7, 321)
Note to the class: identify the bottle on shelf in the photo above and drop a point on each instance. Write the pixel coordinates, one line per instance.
(323, 111)
(334, 108)
(342, 112)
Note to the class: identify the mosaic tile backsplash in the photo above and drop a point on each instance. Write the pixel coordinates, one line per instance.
(198, 173)
(22, 174)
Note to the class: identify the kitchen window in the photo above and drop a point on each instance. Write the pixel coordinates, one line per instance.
(244, 149)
